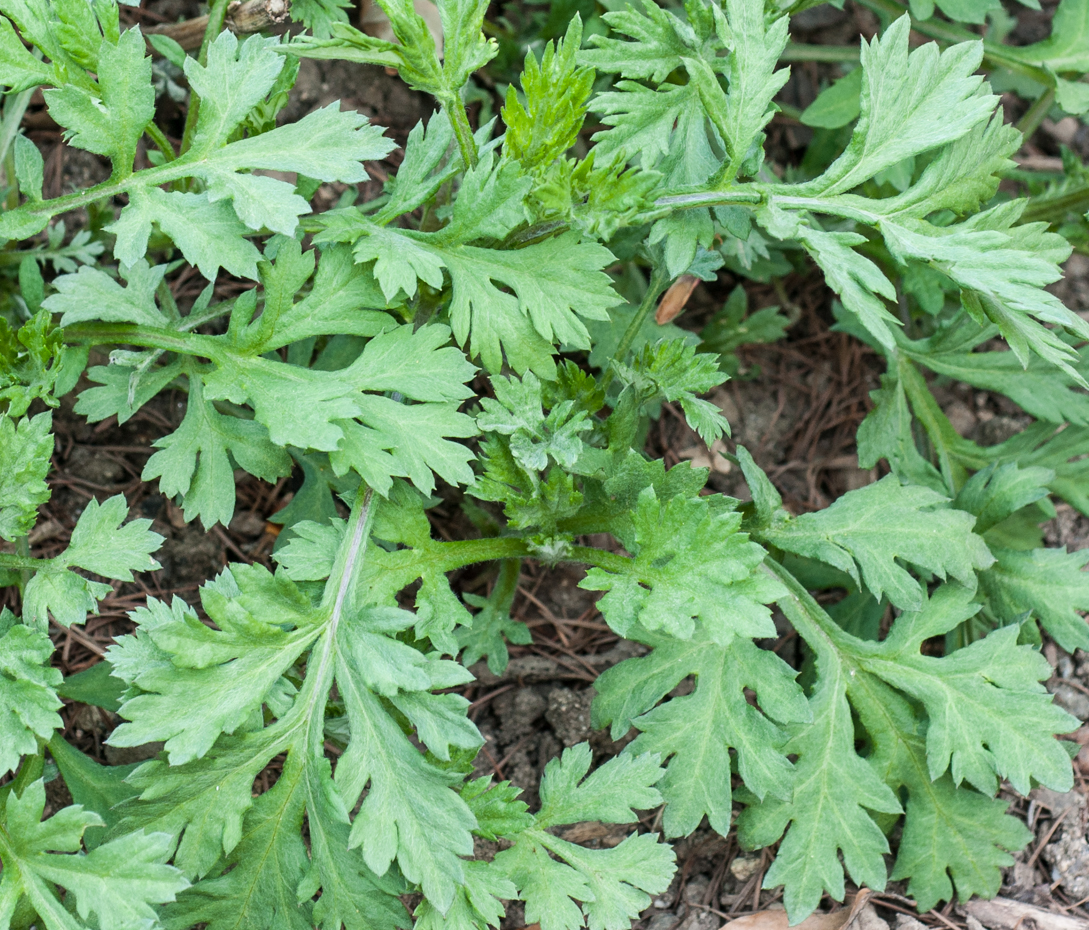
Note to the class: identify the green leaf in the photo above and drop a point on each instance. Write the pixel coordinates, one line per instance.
(673, 370)
(28, 698)
(690, 562)
(858, 281)
(827, 814)
(556, 93)
(1065, 49)
(352, 896)
(113, 123)
(886, 433)
(554, 283)
(210, 235)
(327, 144)
(697, 731)
(99, 544)
(535, 437)
(30, 173)
(661, 39)
(196, 460)
(410, 812)
(203, 801)
(91, 294)
(98, 788)
(964, 174)
(988, 714)
(95, 686)
(408, 441)
(19, 69)
(25, 453)
(497, 810)
(1051, 583)
(911, 102)
(951, 835)
(611, 885)
(836, 105)
(741, 113)
(191, 682)
(653, 124)
(268, 863)
(997, 492)
(1001, 270)
(117, 882)
(236, 76)
(476, 903)
(867, 530)
(412, 363)
(611, 794)
(1037, 387)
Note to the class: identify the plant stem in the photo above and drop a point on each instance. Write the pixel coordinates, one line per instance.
(22, 549)
(659, 278)
(506, 585)
(811, 621)
(599, 558)
(170, 340)
(1030, 122)
(796, 51)
(342, 578)
(162, 143)
(217, 13)
(1055, 208)
(455, 110)
(20, 561)
(14, 111)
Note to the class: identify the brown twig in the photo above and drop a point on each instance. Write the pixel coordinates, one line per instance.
(1050, 833)
(243, 18)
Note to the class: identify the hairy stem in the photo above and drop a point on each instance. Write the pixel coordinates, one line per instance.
(342, 579)
(1030, 122)
(1054, 209)
(20, 561)
(796, 51)
(659, 278)
(170, 340)
(506, 585)
(162, 143)
(459, 119)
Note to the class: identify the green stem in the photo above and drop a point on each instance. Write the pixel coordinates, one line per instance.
(459, 119)
(659, 278)
(217, 13)
(162, 143)
(20, 562)
(14, 111)
(796, 51)
(709, 199)
(811, 621)
(169, 340)
(599, 558)
(22, 550)
(345, 569)
(1055, 209)
(449, 556)
(1030, 122)
(506, 585)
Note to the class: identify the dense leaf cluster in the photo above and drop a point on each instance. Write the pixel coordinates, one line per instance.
(357, 352)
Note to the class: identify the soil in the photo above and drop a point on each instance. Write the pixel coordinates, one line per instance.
(795, 405)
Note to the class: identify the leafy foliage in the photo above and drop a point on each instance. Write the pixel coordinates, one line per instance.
(316, 762)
